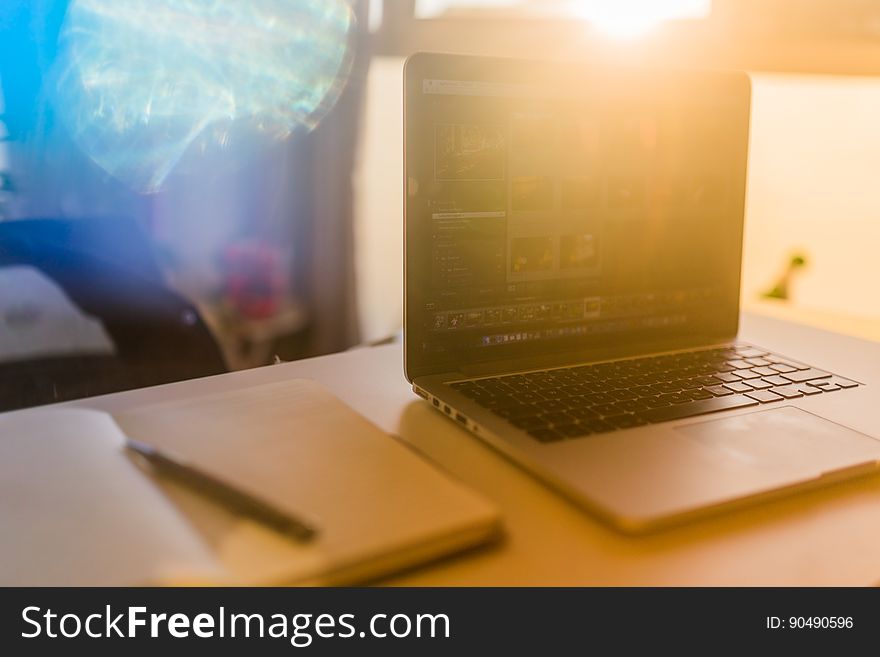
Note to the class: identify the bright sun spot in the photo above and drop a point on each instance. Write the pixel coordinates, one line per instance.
(632, 18)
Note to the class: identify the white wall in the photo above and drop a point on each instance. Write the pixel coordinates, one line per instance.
(814, 186)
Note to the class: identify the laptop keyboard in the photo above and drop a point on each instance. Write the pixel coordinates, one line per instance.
(558, 404)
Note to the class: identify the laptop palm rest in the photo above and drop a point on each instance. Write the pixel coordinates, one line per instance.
(783, 439)
(650, 479)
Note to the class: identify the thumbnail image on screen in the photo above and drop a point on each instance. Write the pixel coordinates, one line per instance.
(531, 254)
(469, 152)
(578, 252)
(531, 194)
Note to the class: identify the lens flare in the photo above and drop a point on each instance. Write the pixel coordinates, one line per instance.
(144, 84)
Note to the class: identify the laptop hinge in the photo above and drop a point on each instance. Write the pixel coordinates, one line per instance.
(561, 360)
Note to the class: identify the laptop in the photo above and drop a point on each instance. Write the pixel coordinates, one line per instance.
(573, 252)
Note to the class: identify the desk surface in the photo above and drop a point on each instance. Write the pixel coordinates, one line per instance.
(826, 537)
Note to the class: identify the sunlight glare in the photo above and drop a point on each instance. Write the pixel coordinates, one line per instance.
(626, 19)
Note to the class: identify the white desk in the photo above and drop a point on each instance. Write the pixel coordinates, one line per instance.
(827, 537)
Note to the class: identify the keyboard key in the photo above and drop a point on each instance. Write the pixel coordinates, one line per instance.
(581, 401)
(776, 380)
(709, 380)
(759, 384)
(583, 414)
(757, 362)
(746, 374)
(625, 421)
(825, 386)
(575, 401)
(808, 389)
(666, 386)
(750, 352)
(699, 394)
(789, 392)
(738, 386)
(763, 396)
(478, 394)
(624, 395)
(785, 361)
(633, 405)
(608, 409)
(656, 402)
(805, 375)
(679, 411)
(844, 383)
(501, 402)
(765, 371)
(549, 405)
(719, 391)
(517, 411)
(529, 422)
(491, 384)
(558, 418)
(597, 426)
(783, 368)
(738, 364)
(572, 430)
(545, 435)
(554, 393)
(727, 377)
(621, 383)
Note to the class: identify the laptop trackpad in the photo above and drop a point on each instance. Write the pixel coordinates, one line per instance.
(783, 438)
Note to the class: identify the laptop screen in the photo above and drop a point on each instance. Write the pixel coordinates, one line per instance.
(557, 211)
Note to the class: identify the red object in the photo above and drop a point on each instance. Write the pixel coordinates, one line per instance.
(255, 279)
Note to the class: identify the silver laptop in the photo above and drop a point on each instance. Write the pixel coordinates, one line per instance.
(573, 252)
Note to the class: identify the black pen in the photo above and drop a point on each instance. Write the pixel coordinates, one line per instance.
(230, 497)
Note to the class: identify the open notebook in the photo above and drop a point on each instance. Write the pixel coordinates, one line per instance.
(78, 511)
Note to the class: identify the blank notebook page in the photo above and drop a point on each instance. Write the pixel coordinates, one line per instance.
(75, 510)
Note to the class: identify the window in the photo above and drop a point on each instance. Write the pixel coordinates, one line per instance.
(822, 36)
